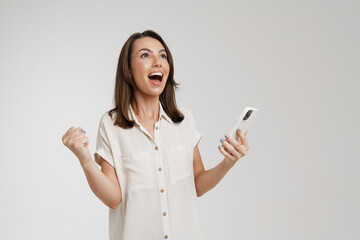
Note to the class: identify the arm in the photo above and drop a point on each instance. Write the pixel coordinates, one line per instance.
(104, 183)
(206, 180)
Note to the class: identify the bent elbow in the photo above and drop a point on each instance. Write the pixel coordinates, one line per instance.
(199, 194)
(114, 205)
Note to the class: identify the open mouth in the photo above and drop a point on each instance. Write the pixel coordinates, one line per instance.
(156, 76)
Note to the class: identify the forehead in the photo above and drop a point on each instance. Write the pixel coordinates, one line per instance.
(147, 42)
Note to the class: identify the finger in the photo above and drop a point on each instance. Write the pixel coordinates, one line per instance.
(71, 129)
(78, 143)
(77, 134)
(238, 147)
(70, 135)
(243, 138)
(231, 140)
(246, 132)
(242, 150)
(226, 154)
(82, 131)
(230, 149)
(84, 141)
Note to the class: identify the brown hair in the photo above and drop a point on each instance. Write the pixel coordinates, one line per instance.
(124, 84)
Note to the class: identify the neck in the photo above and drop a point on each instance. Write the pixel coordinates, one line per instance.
(146, 107)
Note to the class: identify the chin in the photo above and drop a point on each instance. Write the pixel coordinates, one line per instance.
(151, 93)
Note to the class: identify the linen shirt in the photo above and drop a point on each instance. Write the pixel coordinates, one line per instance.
(156, 177)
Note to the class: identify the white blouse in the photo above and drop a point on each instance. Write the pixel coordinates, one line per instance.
(156, 176)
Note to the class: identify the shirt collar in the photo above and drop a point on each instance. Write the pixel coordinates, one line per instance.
(162, 114)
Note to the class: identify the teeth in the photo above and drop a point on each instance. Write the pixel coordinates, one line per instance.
(156, 74)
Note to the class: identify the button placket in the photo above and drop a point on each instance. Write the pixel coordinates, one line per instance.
(162, 183)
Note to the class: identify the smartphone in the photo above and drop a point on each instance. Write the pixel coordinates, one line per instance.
(246, 118)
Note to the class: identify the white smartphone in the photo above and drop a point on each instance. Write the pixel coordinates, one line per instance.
(246, 118)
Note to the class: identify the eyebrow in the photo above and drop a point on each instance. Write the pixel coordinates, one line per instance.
(146, 49)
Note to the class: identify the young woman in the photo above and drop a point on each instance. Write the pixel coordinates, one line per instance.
(151, 168)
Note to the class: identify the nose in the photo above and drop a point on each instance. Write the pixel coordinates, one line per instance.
(157, 62)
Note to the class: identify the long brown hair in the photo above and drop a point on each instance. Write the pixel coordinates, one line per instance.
(124, 92)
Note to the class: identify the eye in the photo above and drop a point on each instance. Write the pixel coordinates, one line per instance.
(144, 55)
(164, 56)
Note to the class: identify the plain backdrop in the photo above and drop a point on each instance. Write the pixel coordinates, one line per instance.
(296, 61)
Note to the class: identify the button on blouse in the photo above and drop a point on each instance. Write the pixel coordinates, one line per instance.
(156, 176)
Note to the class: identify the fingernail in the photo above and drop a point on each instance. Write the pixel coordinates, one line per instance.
(83, 130)
(219, 147)
(239, 130)
(226, 136)
(222, 140)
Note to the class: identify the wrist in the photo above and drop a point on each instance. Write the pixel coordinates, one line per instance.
(86, 162)
(228, 163)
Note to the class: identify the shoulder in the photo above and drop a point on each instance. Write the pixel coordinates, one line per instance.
(106, 119)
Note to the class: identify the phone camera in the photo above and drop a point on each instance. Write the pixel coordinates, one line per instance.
(247, 115)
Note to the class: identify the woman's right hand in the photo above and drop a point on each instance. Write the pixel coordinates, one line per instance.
(76, 140)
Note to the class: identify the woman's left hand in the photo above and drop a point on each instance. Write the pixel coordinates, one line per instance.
(232, 149)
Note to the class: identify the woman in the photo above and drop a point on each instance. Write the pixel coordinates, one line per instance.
(151, 168)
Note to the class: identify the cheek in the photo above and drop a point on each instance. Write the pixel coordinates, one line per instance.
(167, 68)
(139, 68)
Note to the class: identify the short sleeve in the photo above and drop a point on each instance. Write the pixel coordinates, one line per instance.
(103, 147)
(195, 136)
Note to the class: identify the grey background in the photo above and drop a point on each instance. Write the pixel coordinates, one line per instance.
(297, 61)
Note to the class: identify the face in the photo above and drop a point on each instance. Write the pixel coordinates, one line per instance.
(149, 66)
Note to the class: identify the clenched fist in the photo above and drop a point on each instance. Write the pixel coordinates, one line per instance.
(76, 140)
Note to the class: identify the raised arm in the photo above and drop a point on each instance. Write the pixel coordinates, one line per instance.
(103, 183)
